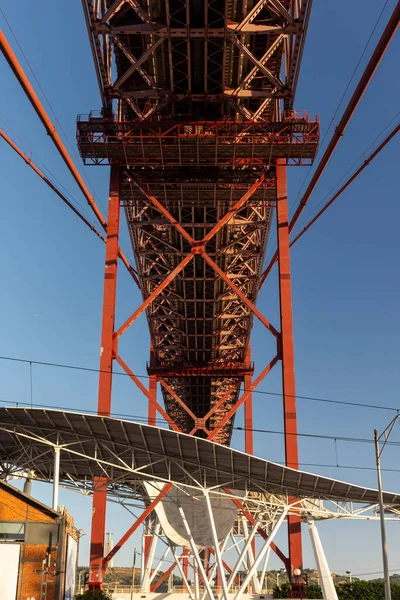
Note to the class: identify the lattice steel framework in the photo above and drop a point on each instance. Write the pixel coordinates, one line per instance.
(198, 127)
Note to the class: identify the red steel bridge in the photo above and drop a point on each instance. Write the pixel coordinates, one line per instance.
(198, 127)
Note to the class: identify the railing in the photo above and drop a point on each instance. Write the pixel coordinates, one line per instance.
(126, 589)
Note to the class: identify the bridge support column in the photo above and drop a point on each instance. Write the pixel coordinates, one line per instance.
(152, 407)
(325, 576)
(287, 357)
(248, 409)
(105, 377)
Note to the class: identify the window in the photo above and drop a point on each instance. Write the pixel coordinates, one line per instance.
(12, 531)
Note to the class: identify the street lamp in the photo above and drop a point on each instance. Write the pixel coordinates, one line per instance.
(349, 574)
(384, 438)
(133, 572)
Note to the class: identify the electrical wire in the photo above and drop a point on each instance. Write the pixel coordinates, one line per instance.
(262, 392)
(71, 147)
(307, 176)
(335, 438)
(144, 420)
(361, 158)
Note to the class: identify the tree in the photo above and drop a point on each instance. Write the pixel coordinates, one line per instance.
(314, 591)
(282, 591)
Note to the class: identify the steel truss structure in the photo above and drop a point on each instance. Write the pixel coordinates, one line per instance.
(198, 127)
(188, 476)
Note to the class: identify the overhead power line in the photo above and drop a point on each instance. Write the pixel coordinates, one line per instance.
(362, 85)
(264, 392)
(332, 120)
(54, 188)
(365, 164)
(144, 420)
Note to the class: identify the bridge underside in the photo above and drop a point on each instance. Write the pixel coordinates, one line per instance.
(199, 326)
(198, 126)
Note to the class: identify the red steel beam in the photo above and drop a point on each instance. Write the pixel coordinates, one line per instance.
(248, 412)
(358, 93)
(110, 293)
(163, 211)
(152, 408)
(180, 402)
(287, 355)
(153, 295)
(136, 524)
(216, 407)
(260, 530)
(221, 223)
(150, 396)
(51, 185)
(50, 128)
(243, 398)
(231, 212)
(106, 362)
(240, 294)
(97, 531)
(164, 576)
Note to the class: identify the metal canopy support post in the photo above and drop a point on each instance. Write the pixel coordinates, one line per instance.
(195, 554)
(196, 582)
(243, 553)
(264, 570)
(287, 355)
(216, 546)
(328, 588)
(106, 362)
(182, 572)
(251, 553)
(149, 557)
(56, 476)
(261, 555)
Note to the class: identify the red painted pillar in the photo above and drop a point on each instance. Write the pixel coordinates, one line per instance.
(248, 410)
(185, 562)
(248, 440)
(287, 349)
(152, 410)
(105, 377)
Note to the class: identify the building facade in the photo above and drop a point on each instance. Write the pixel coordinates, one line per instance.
(38, 548)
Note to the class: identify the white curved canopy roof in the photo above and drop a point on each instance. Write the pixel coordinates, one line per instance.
(128, 452)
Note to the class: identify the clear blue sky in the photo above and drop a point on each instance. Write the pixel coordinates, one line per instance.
(345, 270)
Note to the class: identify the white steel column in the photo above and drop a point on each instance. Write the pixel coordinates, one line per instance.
(145, 585)
(214, 568)
(56, 476)
(154, 573)
(262, 553)
(250, 559)
(216, 545)
(185, 581)
(196, 582)
(327, 586)
(264, 569)
(196, 554)
(242, 554)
